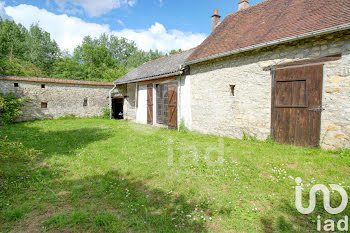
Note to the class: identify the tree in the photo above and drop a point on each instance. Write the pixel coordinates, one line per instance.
(67, 68)
(109, 57)
(40, 49)
(18, 67)
(33, 53)
(12, 39)
(175, 51)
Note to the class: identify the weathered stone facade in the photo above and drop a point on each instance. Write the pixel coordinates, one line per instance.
(62, 99)
(215, 110)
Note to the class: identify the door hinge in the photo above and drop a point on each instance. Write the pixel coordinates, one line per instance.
(318, 109)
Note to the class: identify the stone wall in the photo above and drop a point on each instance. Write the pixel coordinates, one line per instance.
(130, 102)
(184, 101)
(335, 130)
(215, 110)
(61, 99)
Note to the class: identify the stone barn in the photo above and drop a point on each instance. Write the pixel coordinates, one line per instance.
(279, 69)
(54, 98)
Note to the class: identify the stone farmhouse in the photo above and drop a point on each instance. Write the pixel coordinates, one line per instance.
(53, 98)
(279, 69)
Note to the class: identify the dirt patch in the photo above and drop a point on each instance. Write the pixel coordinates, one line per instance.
(63, 193)
(292, 166)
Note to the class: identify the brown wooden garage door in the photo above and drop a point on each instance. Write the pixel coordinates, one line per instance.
(297, 105)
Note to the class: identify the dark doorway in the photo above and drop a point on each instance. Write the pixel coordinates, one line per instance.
(297, 105)
(117, 107)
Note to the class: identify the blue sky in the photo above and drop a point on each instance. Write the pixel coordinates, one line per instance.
(152, 24)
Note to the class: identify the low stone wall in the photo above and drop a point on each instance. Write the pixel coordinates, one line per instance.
(62, 99)
(215, 110)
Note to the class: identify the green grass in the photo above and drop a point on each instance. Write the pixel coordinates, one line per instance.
(96, 175)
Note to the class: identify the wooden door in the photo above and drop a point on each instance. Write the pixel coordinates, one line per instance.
(297, 105)
(150, 104)
(162, 104)
(172, 105)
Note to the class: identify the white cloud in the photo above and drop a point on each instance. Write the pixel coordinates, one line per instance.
(69, 31)
(93, 8)
(121, 22)
(157, 37)
(3, 14)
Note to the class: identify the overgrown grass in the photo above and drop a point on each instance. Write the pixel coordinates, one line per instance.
(96, 175)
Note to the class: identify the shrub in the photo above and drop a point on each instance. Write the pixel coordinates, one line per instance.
(105, 114)
(10, 107)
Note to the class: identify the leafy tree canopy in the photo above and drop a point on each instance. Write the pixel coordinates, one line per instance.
(33, 53)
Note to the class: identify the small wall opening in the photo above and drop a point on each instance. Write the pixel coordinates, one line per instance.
(42, 85)
(15, 85)
(43, 105)
(85, 103)
(233, 87)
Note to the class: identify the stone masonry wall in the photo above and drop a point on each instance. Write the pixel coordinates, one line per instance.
(215, 110)
(129, 103)
(61, 99)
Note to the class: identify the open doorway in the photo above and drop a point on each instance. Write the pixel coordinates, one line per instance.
(117, 107)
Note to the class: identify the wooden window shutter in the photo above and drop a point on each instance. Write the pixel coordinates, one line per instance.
(172, 105)
(150, 104)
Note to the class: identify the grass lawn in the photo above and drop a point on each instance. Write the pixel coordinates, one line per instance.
(95, 175)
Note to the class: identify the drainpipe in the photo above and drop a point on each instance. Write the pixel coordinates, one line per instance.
(110, 101)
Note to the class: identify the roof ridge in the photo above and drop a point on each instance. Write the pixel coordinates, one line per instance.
(169, 55)
(250, 7)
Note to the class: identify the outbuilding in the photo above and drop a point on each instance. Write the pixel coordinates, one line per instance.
(280, 69)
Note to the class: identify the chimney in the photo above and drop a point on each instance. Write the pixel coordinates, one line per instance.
(215, 20)
(243, 4)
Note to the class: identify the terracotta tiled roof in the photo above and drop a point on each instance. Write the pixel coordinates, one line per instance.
(272, 20)
(52, 80)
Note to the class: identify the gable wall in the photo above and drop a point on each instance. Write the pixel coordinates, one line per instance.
(216, 111)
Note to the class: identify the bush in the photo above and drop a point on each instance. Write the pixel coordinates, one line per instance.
(10, 107)
(105, 114)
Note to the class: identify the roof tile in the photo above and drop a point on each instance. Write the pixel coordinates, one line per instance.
(272, 20)
(52, 80)
(159, 67)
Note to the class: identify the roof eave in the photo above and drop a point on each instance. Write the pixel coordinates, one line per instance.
(275, 42)
(150, 78)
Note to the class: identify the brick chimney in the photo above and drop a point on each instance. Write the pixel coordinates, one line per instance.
(215, 20)
(243, 4)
